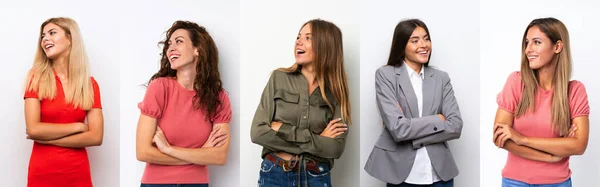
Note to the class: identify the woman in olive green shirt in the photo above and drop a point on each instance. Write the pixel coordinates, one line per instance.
(303, 115)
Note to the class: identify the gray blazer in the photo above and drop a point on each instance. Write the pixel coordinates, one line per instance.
(394, 153)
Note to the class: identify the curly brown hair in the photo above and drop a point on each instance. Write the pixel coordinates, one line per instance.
(207, 83)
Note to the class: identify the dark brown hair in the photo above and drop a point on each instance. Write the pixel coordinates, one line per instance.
(207, 83)
(402, 34)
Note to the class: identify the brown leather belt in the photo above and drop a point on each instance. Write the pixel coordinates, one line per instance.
(293, 165)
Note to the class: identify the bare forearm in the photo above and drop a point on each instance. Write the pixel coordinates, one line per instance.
(154, 156)
(85, 139)
(200, 156)
(563, 147)
(526, 152)
(52, 131)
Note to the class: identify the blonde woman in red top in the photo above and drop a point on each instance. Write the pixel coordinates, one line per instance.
(542, 117)
(185, 114)
(59, 96)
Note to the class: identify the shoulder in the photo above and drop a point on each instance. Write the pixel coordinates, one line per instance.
(386, 70)
(437, 72)
(576, 89)
(161, 83)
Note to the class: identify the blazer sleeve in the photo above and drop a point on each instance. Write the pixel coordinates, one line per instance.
(401, 128)
(453, 124)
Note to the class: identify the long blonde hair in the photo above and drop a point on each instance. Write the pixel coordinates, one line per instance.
(40, 78)
(556, 31)
(329, 64)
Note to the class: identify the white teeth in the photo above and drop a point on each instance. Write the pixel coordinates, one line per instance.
(423, 52)
(49, 46)
(299, 51)
(173, 57)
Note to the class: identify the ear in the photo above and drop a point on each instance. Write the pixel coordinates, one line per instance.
(196, 53)
(558, 47)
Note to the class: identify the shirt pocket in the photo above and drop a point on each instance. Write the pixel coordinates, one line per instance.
(286, 106)
(320, 115)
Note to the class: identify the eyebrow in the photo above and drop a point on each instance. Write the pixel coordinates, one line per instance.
(427, 35)
(43, 33)
(178, 37)
(306, 34)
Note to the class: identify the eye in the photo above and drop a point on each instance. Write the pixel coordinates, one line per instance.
(297, 37)
(308, 38)
(414, 41)
(537, 42)
(178, 41)
(52, 32)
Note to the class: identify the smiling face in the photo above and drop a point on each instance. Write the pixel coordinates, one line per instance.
(540, 50)
(55, 41)
(303, 48)
(181, 51)
(418, 47)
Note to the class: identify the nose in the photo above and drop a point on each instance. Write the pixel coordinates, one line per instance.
(298, 42)
(170, 48)
(528, 48)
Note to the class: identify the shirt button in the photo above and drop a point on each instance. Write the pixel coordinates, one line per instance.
(304, 117)
(307, 103)
(434, 128)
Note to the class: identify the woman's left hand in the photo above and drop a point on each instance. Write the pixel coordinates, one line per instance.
(504, 132)
(161, 141)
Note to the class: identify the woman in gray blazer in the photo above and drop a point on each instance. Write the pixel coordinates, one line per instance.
(419, 113)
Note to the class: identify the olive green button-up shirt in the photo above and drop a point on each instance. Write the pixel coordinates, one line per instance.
(304, 117)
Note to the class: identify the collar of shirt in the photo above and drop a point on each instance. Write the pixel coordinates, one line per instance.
(412, 72)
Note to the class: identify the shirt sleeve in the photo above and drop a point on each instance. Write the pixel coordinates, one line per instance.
(508, 98)
(96, 89)
(578, 100)
(154, 100)
(223, 113)
(29, 93)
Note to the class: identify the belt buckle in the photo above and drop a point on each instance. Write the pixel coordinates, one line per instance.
(284, 169)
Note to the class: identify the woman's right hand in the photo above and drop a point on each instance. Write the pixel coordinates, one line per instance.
(334, 128)
(82, 127)
(217, 138)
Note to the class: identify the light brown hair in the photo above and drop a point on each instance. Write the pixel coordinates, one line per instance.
(556, 31)
(328, 64)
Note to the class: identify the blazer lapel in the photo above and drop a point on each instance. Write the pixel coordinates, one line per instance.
(407, 90)
(429, 84)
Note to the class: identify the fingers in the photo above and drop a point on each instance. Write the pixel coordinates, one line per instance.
(337, 134)
(504, 138)
(497, 133)
(572, 130)
(338, 129)
(219, 138)
(334, 121)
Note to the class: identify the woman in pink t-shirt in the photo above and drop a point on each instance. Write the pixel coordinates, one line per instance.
(542, 116)
(185, 114)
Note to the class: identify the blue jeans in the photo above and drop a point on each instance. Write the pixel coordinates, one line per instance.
(174, 185)
(514, 183)
(272, 175)
(449, 183)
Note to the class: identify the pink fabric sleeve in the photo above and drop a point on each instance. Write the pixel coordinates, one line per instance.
(508, 99)
(578, 100)
(223, 113)
(154, 100)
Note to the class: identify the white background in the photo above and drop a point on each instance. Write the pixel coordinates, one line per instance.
(269, 30)
(20, 32)
(501, 36)
(141, 30)
(455, 49)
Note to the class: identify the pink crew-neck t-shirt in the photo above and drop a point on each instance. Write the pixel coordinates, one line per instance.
(538, 124)
(184, 126)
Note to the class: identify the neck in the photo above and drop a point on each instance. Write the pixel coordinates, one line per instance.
(61, 67)
(309, 73)
(186, 77)
(413, 65)
(546, 76)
